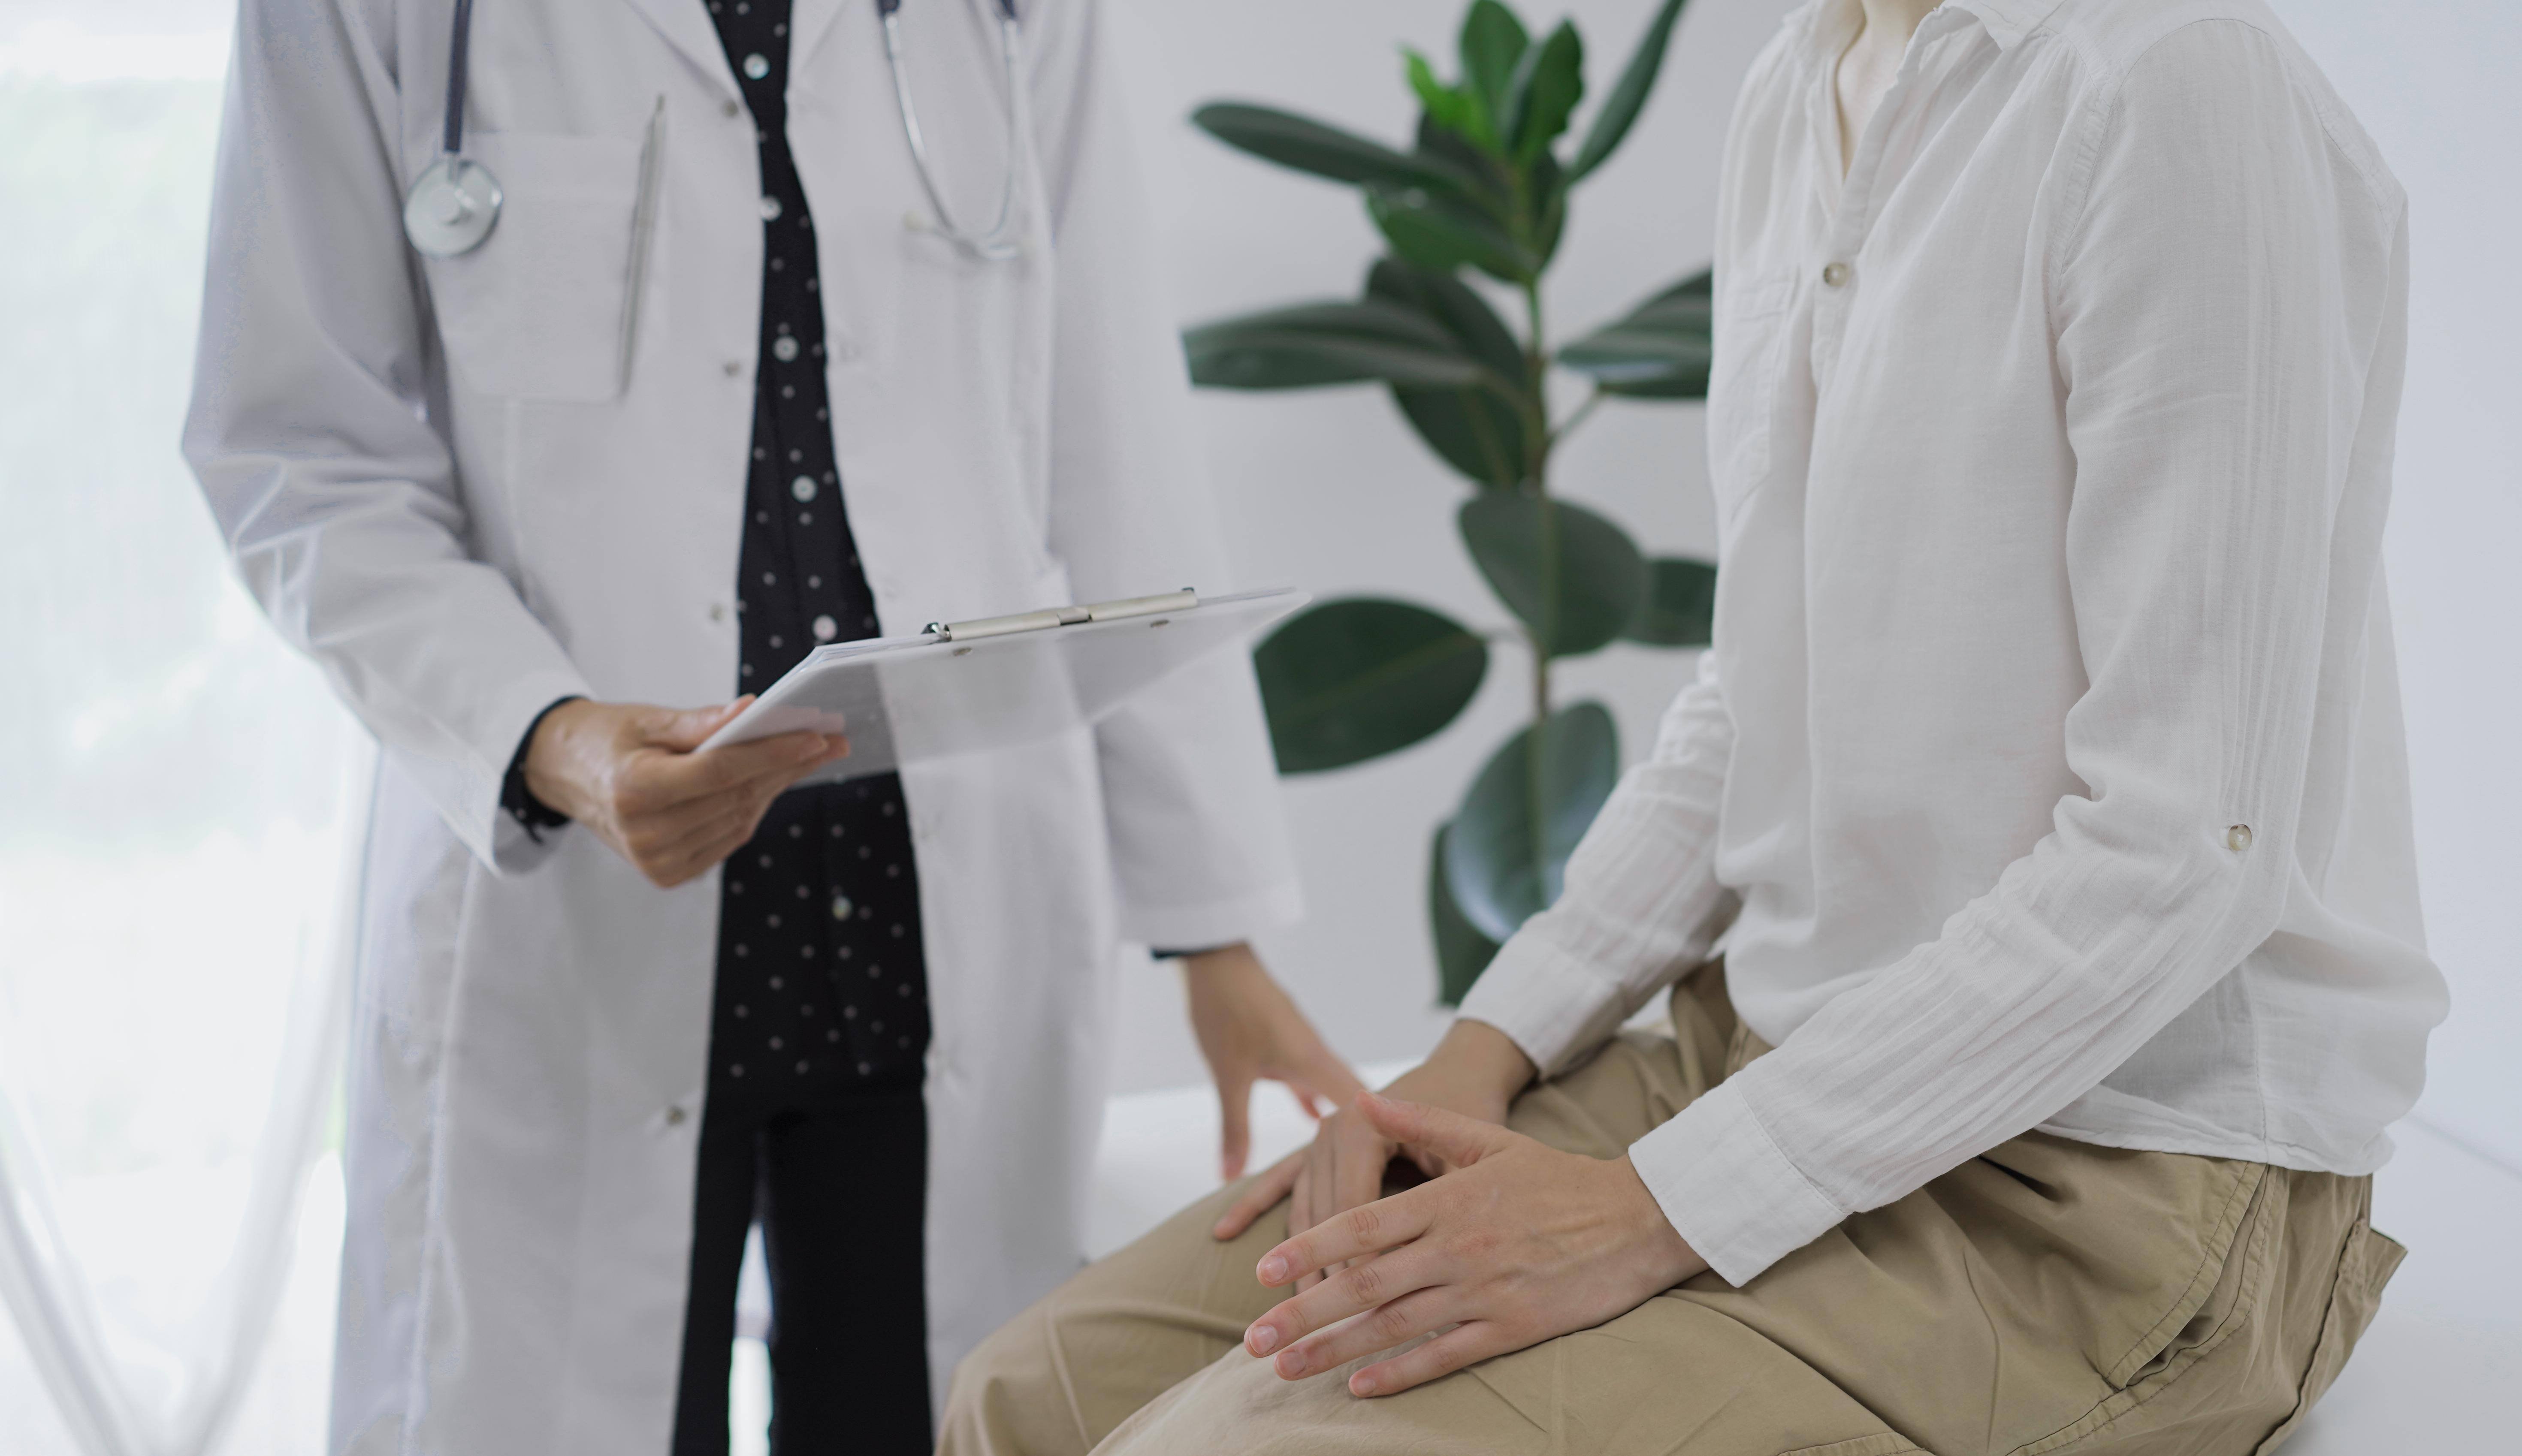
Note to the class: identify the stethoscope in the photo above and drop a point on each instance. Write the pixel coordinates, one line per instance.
(454, 203)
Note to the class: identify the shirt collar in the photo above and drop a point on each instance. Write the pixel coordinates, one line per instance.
(2008, 22)
(1830, 24)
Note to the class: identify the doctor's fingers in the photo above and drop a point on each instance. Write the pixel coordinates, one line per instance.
(684, 729)
(660, 778)
(1235, 1123)
(656, 829)
(672, 850)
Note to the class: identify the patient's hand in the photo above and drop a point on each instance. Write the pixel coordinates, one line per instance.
(1474, 1071)
(1249, 1031)
(1519, 1244)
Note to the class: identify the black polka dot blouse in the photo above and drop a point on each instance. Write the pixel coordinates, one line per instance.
(822, 982)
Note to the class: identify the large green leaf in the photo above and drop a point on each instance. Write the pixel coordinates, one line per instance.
(1659, 350)
(1462, 951)
(1679, 605)
(1325, 150)
(1329, 343)
(1441, 231)
(1450, 148)
(1360, 677)
(1628, 95)
(1546, 209)
(1478, 432)
(1457, 109)
(1505, 852)
(1572, 575)
(1444, 301)
(1548, 83)
(1493, 42)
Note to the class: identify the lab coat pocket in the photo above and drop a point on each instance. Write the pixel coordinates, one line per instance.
(1750, 320)
(541, 310)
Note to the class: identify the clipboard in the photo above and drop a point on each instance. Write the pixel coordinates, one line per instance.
(969, 687)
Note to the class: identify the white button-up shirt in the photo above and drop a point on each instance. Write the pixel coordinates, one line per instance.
(2047, 770)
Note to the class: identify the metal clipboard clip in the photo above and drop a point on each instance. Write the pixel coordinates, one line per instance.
(1065, 616)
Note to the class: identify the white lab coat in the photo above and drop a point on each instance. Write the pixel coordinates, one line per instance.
(469, 487)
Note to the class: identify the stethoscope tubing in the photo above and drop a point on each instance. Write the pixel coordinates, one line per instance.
(459, 57)
(998, 243)
(467, 190)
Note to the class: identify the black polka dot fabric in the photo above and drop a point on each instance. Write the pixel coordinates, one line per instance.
(822, 982)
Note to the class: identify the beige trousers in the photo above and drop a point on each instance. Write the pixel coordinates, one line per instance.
(2050, 1296)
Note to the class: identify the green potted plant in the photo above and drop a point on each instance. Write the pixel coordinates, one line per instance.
(1476, 207)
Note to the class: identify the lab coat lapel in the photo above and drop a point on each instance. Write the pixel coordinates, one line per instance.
(813, 20)
(685, 25)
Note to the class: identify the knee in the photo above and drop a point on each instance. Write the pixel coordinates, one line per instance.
(1005, 1398)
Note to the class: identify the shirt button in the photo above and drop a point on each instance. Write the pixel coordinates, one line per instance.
(769, 208)
(734, 367)
(803, 487)
(841, 907)
(1835, 274)
(717, 611)
(728, 109)
(2238, 837)
(784, 347)
(826, 629)
(756, 67)
(675, 1115)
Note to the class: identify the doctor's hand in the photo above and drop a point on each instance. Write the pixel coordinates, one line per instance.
(626, 772)
(1474, 1072)
(1519, 1244)
(1250, 1030)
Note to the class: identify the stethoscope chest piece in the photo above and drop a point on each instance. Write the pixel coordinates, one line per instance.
(451, 208)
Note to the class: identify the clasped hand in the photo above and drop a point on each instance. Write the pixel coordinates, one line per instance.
(1513, 1244)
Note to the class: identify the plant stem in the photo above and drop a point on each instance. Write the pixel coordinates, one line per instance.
(1536, 363)
(1583, 413)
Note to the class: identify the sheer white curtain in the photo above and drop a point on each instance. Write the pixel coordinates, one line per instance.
(178, 802)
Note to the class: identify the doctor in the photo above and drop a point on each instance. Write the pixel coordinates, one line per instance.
(724, 376)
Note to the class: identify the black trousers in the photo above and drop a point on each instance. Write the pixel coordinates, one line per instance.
(840, 1189)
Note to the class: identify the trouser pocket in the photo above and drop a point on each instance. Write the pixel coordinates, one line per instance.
(2370, 1259)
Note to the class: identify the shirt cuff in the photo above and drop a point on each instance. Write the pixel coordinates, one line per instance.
(1546, 1001)
(1729, 1191)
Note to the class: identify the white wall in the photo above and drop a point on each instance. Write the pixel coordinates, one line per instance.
(1329, 491)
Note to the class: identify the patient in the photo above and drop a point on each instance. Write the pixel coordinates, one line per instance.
(2046, 785)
